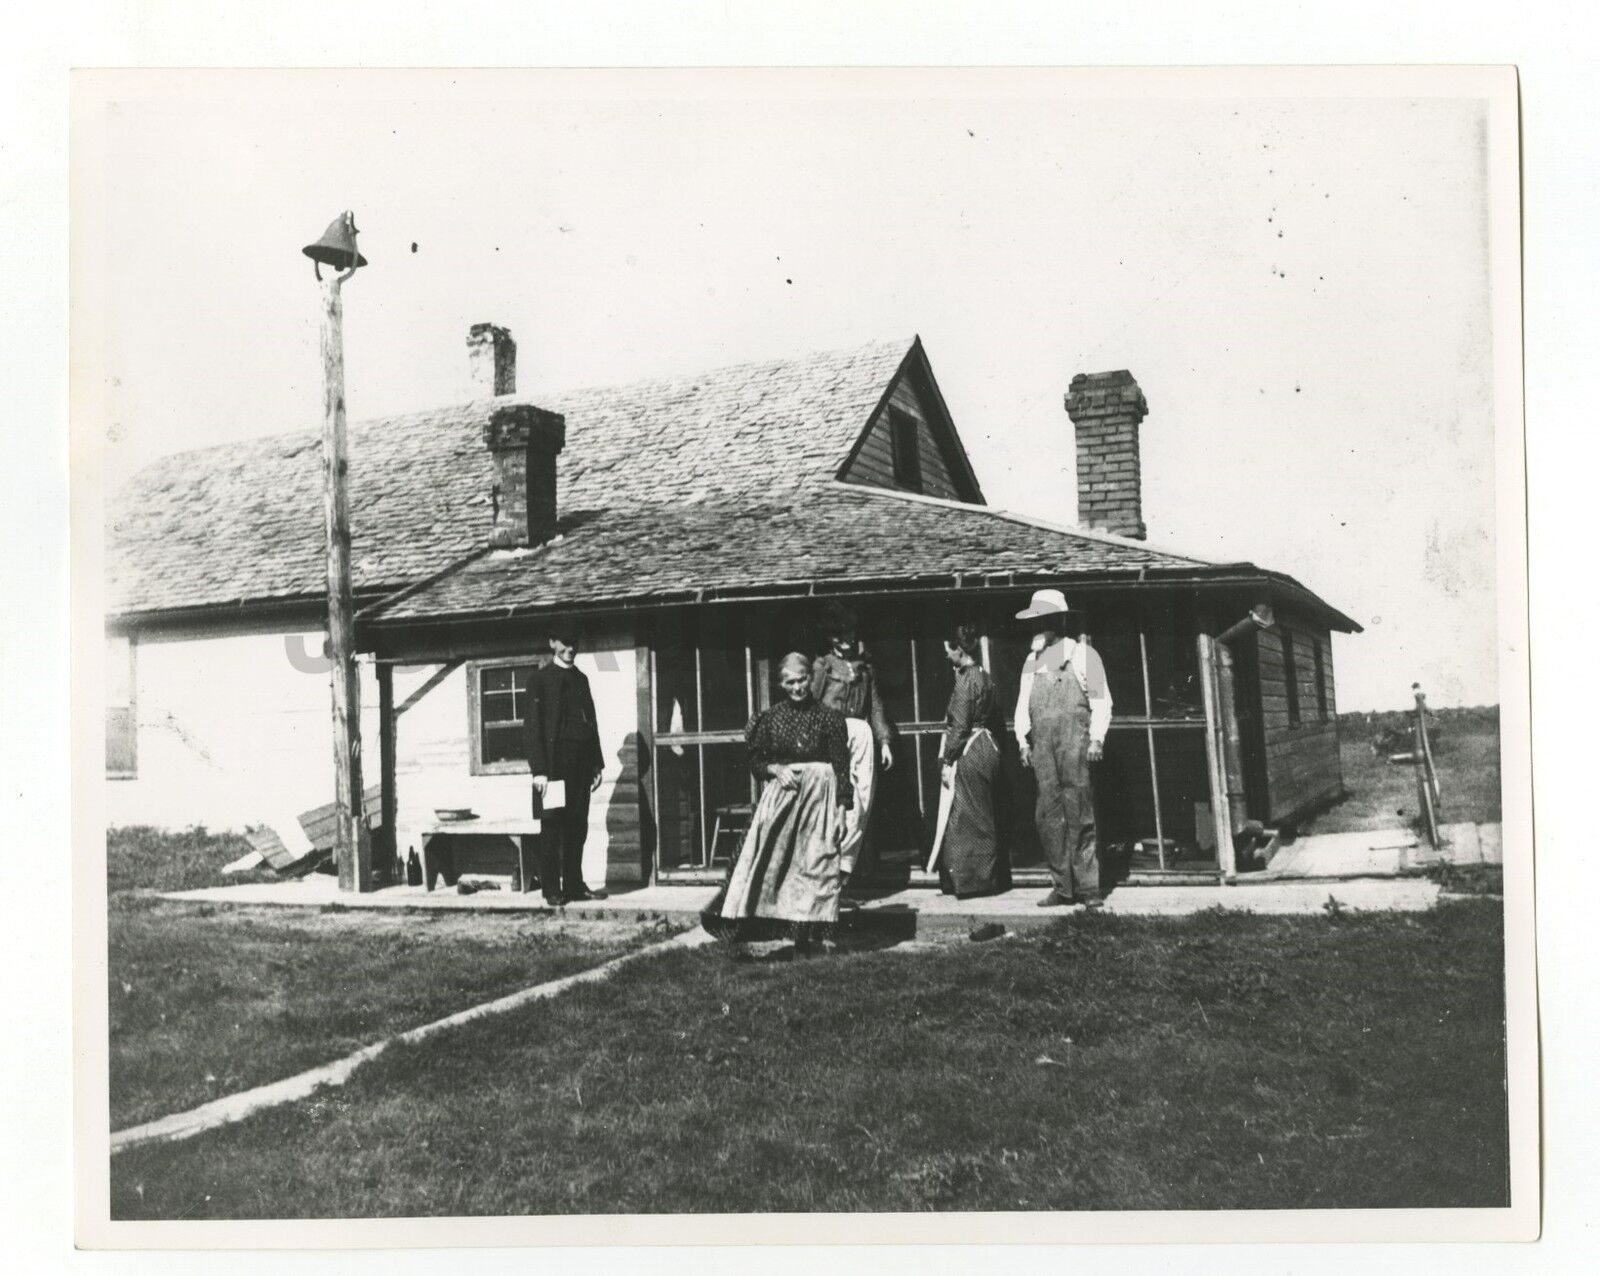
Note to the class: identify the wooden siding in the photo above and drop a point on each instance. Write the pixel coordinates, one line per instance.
(873, 465)
(1302, 760)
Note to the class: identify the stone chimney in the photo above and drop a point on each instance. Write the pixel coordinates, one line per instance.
(492, 355)
(1106, 408)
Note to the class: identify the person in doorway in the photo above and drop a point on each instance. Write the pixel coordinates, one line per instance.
(786, 878)
(842, 679)
(969, 857)
(562, 737)
(1063, 712)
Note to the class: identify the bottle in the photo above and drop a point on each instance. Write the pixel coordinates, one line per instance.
(413, 869)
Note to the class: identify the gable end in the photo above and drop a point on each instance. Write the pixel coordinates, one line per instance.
(911, 427)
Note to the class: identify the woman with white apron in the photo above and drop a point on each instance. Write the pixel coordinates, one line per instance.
(969, 858)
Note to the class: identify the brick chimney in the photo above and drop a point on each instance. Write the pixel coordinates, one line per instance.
(1106, 408)
(524, 442)
(492, 355)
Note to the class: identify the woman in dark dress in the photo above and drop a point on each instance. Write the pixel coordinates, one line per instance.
(969, 861)
(786, 879)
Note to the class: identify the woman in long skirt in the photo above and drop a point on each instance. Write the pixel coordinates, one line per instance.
(786, 879)
(970, 862)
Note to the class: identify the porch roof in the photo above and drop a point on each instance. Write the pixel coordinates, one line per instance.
(836, 538)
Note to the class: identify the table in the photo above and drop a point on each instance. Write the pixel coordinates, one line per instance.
(439, 861)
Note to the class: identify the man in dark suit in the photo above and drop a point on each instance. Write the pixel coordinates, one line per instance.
(563, 743)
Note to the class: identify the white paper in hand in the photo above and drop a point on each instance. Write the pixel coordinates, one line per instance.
(555, 795)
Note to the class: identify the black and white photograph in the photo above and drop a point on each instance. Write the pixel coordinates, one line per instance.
(934, 649)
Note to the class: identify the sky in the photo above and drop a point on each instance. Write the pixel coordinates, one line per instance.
(1300, 285)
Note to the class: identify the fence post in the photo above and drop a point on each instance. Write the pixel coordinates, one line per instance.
(1427, 780)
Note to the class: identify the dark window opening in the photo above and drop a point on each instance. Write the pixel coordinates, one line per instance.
(1319, 668)
(1291, 679)
(907, 446)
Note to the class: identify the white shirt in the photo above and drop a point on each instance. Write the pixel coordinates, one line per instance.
(1091, 671)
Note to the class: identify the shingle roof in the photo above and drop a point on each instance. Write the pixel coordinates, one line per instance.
(721, 483)
(242, 521)
(780, 543)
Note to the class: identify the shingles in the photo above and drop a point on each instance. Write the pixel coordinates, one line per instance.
(837, 533)
(243, 521)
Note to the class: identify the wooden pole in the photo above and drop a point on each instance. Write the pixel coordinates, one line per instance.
(1422, 755)
(352, 847)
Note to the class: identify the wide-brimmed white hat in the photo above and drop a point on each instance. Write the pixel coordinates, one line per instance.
(1046, 602)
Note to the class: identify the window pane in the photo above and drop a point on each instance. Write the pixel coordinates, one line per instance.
(1124, 805)
(1174, 663)
(677, 707)
(724, 687)
(729, 799)
(891, 663)
(1115, 635)
(898, 820)
(1186, 797)
(935, 677)
(503, 743)
(1291, 675)
(1015, 795)
(678, 827)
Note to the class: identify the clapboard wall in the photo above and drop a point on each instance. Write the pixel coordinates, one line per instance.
(433, 765)
(873, 464)
(1302, 757)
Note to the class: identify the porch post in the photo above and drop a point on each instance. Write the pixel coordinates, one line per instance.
(645, 762)
(1216, 767)
(389, 799)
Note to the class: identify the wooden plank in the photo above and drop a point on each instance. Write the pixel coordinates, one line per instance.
(443, 672)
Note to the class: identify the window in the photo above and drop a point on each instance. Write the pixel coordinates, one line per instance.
(122, 728)
(497, 703)
(1291, 678)
(703, 671)
(903, 431)
(1319, 669)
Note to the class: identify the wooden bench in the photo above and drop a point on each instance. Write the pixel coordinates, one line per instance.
(438, 857)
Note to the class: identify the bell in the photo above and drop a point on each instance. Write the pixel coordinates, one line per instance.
(337, 247)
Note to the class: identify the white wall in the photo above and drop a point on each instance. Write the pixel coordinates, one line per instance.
(433, 767)
(232, 733)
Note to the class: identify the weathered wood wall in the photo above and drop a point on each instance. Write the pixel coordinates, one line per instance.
(1302, 761)
(874, 463)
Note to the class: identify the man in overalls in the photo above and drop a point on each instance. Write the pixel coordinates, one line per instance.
(1062, 715)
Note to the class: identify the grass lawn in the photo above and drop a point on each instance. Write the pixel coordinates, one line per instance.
(1467, 755)
(1216, 1061)
(206, 1000)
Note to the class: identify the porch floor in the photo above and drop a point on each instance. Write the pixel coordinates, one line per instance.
(912, 912)
(1379, 854)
